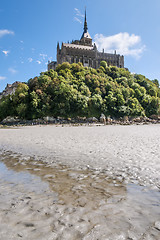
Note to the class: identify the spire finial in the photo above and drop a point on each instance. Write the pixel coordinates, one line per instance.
(85, 22)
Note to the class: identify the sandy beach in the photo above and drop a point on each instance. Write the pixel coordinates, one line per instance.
(80, 182)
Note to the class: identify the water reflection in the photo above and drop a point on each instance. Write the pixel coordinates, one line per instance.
(68, 183)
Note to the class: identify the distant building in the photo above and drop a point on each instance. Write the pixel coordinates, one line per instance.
(85, 52)
(9, 89)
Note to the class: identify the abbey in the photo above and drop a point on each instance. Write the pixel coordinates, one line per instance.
(85, 52)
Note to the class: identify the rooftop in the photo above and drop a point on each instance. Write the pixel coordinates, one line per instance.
(70, 45)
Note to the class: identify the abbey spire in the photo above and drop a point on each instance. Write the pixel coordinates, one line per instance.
(85, 23)
(86, 38)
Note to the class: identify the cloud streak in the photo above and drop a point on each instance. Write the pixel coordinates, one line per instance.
(123, 43)
(78, 13)
(43, 56)
(79, 16)
(78, 20)
(2, 78)
(4, 32)
(12, 70)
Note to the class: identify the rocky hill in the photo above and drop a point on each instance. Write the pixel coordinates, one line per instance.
(10, 89)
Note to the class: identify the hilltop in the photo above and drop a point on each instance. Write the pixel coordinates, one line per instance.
(73, 90)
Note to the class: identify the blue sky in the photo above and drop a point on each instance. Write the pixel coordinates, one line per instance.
(29, 31)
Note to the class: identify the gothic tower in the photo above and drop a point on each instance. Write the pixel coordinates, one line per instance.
(86, 38)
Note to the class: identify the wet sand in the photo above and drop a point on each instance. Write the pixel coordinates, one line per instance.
(80, 183)
(133, 152)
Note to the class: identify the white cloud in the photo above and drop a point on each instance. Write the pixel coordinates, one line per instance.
(12, 70)
(39, 62)
(21, 41)
(78, 20)
(30, 59)
(2, 78)
(43, 56)
(123, 43)
(79, 16)
(6, 52)
(4, 32)
(78, 13)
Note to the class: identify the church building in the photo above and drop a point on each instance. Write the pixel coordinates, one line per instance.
(85, 52)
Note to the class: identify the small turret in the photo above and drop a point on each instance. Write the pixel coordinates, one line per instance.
(58, 46)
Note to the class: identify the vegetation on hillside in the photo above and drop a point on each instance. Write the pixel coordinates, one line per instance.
(73, 90)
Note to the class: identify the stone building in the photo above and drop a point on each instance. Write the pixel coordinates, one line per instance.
(85, 52)
(9, 89)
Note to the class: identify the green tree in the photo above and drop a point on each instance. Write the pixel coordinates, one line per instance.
(156, 82)
(103, 64)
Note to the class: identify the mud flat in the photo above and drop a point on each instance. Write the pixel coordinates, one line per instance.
(130, 152)
(80, 183)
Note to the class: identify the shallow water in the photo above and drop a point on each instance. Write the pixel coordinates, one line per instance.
(76, 204)
(29, 181)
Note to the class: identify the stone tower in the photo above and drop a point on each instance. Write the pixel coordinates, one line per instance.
(86, 39)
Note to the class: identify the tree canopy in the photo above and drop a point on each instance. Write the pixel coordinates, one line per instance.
(73, 90)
